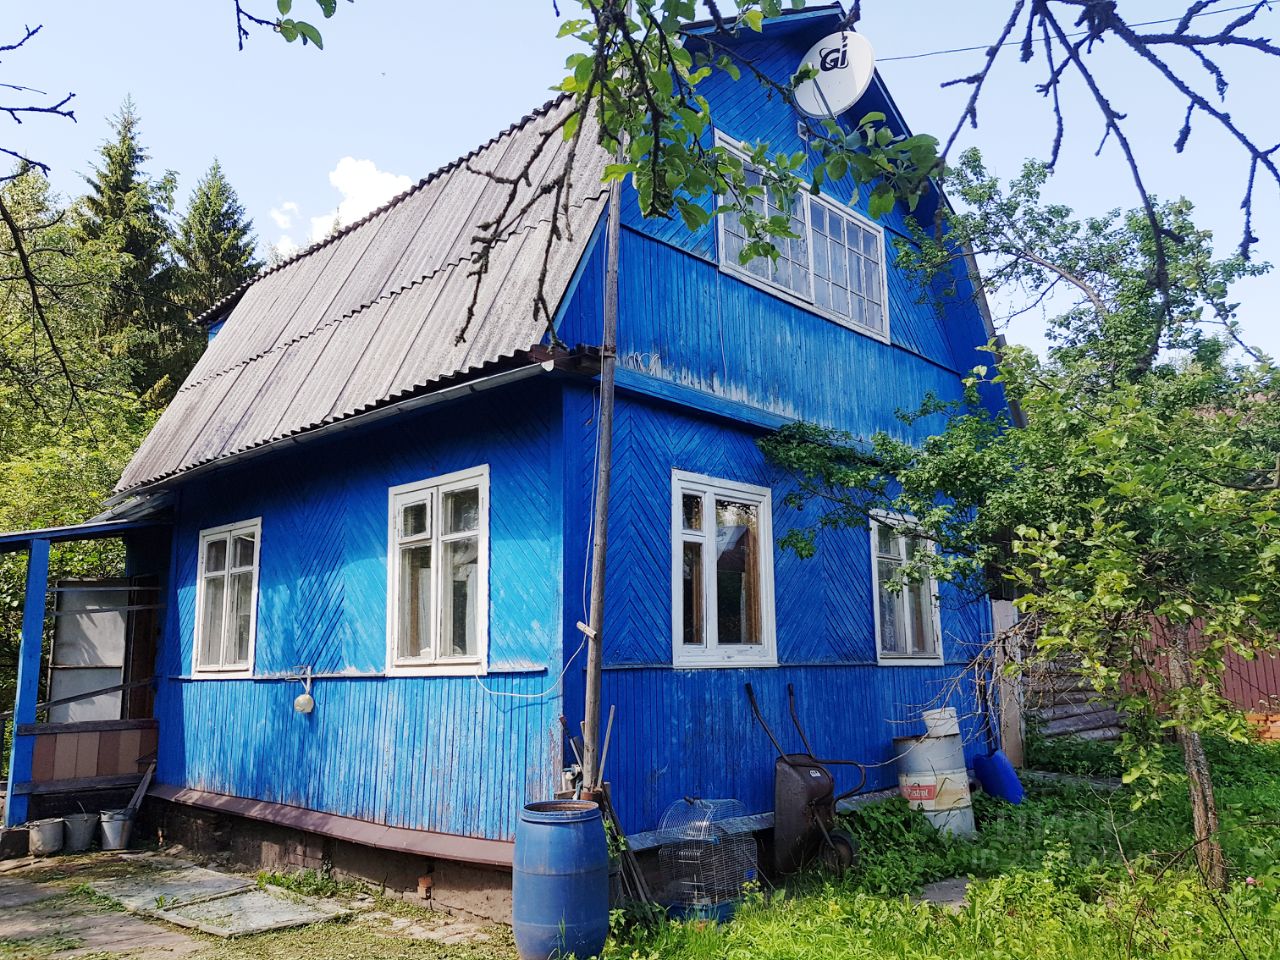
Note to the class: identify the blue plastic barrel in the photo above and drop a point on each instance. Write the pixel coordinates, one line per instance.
(560, 881)
(997, 776)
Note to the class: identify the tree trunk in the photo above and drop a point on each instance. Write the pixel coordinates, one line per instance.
(1204, 807)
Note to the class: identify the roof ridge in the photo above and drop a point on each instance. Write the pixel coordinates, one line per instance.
(363, 308)
(536, 114)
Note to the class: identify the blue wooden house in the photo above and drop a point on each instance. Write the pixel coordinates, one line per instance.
(366, 509)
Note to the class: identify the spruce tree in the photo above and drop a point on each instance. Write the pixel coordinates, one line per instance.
(123, 219)
(214, 242)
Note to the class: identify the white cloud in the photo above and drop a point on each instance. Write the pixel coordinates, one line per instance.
(286, 247)
(363, 187)
(283, 215)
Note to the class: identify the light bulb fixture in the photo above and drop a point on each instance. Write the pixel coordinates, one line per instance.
(304, 702)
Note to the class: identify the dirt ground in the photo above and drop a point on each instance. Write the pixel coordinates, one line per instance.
(49, 909)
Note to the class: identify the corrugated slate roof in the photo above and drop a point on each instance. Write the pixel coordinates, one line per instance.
(370, 316)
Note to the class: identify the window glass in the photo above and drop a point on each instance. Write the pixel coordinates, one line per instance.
(737, 573)
(459, 600)
(692, 633)
(415, 601)
(241, 616)
(211, 632)
(215, 555)
(462, 510)
(692, 503)
(242, 550)
(415, 519)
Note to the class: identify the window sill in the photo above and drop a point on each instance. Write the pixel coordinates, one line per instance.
(451, 668)
(907, 660)
(707, 663)
(208, 674)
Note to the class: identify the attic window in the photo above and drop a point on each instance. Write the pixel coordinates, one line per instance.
(722, 573)
(438, 574)
(227, 598)
(835, 266)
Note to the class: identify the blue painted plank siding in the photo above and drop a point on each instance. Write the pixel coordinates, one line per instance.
(435, 753)
(685, 732)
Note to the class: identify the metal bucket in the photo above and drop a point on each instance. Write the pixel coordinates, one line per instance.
(940, 723)
(116, 827)
(932, 778)
(44, 837)
(80, 830)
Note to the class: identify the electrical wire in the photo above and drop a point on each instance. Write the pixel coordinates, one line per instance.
(1080, 33)
(533, 696)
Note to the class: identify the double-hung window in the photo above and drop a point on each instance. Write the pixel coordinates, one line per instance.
(721, 573)
(227, 598)
(835, 265)
(906, 617)
(438, 577)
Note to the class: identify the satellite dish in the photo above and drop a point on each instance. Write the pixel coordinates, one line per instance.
(845, 63)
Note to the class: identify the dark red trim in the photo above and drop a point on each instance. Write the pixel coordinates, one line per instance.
(446, 846)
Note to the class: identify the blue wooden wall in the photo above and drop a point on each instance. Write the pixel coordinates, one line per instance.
(436, 753)
(680, 732)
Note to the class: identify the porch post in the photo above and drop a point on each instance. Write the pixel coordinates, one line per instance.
(28, 686)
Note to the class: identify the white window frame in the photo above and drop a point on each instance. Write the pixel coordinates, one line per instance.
(228, 532)
(735, 269)
(432, 490)
(897, 521)
(710, 653)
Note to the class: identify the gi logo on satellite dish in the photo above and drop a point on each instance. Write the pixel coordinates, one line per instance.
(833, 58)
(845, 64)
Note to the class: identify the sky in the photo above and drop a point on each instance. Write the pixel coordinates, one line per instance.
(402, 87)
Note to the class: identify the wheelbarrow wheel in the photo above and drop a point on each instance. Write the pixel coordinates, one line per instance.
(840, 855)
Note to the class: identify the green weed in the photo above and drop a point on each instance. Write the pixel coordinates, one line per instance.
(1073, 873)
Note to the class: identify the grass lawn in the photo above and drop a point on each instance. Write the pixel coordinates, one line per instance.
(1073, 872)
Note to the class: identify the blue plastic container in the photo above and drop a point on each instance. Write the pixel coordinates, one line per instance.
(997, 776)
(560, 881)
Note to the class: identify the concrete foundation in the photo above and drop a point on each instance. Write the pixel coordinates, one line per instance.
(453, 887)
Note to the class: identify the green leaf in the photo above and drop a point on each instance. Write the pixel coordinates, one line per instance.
(328, 7)
(754, 19)
(284, 6)
(288, 29)
(310, 33)
(881, 201)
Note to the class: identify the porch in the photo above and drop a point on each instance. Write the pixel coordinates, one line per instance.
(82, 725)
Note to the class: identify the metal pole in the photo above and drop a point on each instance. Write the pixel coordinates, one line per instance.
(604, 471)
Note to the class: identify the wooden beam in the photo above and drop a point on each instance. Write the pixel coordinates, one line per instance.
(424, 843)
(86, 726)
(28, 685)
(77, 784)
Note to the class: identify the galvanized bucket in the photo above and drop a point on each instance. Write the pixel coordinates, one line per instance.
(44, 837)
(116, 827)
(80, 830)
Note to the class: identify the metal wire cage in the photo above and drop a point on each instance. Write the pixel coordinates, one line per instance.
(708, 855)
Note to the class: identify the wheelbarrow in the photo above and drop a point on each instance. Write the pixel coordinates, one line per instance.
(804, 803)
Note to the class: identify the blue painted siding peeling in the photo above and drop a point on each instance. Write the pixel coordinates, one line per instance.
(439, 754)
